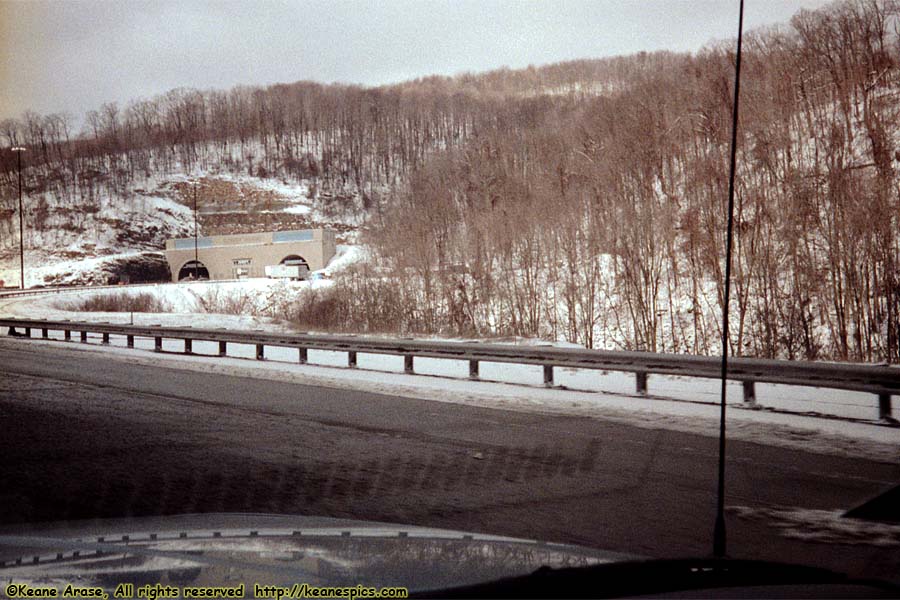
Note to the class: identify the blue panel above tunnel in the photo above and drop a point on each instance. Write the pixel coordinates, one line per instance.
(293, 236)
(188, 243)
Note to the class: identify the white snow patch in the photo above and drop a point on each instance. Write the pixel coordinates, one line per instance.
(185, 299)
(345, 256)
(823, 526)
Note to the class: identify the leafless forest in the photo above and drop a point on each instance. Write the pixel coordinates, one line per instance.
(583, 201)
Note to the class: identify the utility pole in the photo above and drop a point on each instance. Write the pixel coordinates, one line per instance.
(19, 150)
(196, 253)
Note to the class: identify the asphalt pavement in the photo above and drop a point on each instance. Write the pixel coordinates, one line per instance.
(88, 435)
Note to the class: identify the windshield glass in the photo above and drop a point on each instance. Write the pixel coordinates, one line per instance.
(459, 267)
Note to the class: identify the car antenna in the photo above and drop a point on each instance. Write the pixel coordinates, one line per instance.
(719, 537)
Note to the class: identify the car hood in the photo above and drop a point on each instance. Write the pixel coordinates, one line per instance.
(229, 549)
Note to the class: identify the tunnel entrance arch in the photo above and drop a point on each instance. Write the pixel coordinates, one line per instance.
(294, 259)
(193, 269)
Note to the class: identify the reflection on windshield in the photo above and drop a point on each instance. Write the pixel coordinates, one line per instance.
(416, 559)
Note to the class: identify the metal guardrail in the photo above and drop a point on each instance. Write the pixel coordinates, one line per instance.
(15, 292)
(881, 380)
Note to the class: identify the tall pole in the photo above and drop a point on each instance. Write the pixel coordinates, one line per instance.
(196, 253)
(719, 530)
(19, 150)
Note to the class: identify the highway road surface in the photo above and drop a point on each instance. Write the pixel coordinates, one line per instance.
(87, 435)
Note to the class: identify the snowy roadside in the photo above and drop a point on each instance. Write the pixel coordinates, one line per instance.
(183, 299)
(516, 387)
(792, 416)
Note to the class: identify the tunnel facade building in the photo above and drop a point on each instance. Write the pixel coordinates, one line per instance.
(248, 254)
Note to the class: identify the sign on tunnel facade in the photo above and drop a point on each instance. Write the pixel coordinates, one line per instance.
(248, 254)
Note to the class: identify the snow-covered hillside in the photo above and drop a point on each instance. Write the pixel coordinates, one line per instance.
(66, 239)
(71, 241)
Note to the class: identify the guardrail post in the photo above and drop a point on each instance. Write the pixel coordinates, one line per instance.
(749, 392)
(640, 380)
(869, 379)
(884, 406)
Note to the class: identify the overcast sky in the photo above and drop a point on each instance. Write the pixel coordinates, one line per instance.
(75, 55)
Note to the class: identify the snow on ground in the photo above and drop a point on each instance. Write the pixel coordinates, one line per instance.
(295, 193)
(823, 526)
(681, 404)
(186, 301)
(345, 256)
(195, 304)
(63, 271)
